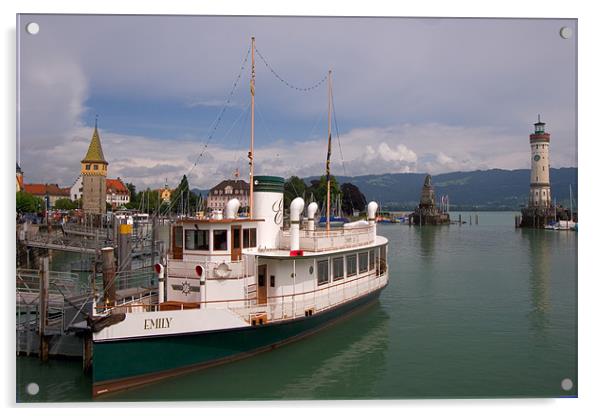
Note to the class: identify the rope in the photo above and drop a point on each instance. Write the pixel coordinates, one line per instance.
(216, 123)
(285, 82)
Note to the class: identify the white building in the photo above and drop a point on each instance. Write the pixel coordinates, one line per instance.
(220, 194)
(77, 189)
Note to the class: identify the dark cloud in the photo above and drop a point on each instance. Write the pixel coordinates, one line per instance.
(410, 94)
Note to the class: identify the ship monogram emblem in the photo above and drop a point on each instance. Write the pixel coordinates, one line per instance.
(277, 209)
(186, 288)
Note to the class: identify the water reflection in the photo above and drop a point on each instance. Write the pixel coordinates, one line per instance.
(427, 236)
(539, 277)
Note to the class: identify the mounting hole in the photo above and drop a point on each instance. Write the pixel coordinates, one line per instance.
(566, 32)
(32, 389)
(566, 384)
(32, 28)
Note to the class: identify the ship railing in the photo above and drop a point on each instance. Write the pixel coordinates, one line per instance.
(322, 240)
(138, 302)
(296, 305)
(276, 308)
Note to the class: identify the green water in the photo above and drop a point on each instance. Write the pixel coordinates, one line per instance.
(470, 311)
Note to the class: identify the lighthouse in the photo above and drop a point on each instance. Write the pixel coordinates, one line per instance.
(540, 192)
(539, 210)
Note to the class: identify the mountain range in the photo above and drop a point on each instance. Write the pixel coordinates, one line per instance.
(485, 190)
(493, 189)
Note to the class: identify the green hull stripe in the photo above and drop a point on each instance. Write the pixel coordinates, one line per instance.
(115, 360)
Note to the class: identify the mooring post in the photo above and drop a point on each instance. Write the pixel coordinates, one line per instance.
(87, 362)
(43, 302)
(108, 276)
(476, 218)
(460, 219)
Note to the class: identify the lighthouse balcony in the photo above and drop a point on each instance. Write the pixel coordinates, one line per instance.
(337, 238)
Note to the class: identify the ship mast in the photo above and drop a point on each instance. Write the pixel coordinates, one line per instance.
(328, 154)
(250, 214)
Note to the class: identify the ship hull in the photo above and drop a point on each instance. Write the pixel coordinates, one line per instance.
(128, 363)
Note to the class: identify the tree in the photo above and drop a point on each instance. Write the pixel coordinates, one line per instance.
(132, 188)
(294, 187)
(183, 200)
(319, 190)
(65, 204)
(28, 203)
(352, 198)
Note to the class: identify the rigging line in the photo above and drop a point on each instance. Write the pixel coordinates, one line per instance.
(336, 127)
(285, 82)
(223, 110)
(265, 126)
(238, 154)
(215, 124)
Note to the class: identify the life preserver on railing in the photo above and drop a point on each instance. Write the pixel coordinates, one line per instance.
(199, 270)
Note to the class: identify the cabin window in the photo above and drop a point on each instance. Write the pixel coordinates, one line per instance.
(95, 167)
(197, 240)
(372, 261)
(220, 240)
(272, 281)
(87, 167)
(338, 270)
(351, 265)
(249, 237)
(323, 272)
(363, 262)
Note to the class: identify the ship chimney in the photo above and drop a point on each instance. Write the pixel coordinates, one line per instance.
(232, 208)
(296, 208)
(268, 194)
(311, 213)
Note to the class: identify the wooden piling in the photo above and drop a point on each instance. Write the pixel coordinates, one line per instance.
(108, 276)
(87, 362)
(43, 311)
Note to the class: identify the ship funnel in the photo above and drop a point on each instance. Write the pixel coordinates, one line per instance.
(296, 209)
(232, 208)
(268, 193)
(311, 213)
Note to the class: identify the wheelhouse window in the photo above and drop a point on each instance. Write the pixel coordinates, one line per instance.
(351, 265)
(220, 240)
(363, 262)
(338, 268)
(249, 237)
(197, 240)
(323, 272)
(372, 259)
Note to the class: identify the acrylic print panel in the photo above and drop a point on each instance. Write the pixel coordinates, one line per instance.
(295, 208)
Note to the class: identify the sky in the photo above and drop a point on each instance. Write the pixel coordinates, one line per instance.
(410, 95)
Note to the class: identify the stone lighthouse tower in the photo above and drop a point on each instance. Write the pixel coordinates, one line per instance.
(94, 177)
(539, 210)
(539, 193)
